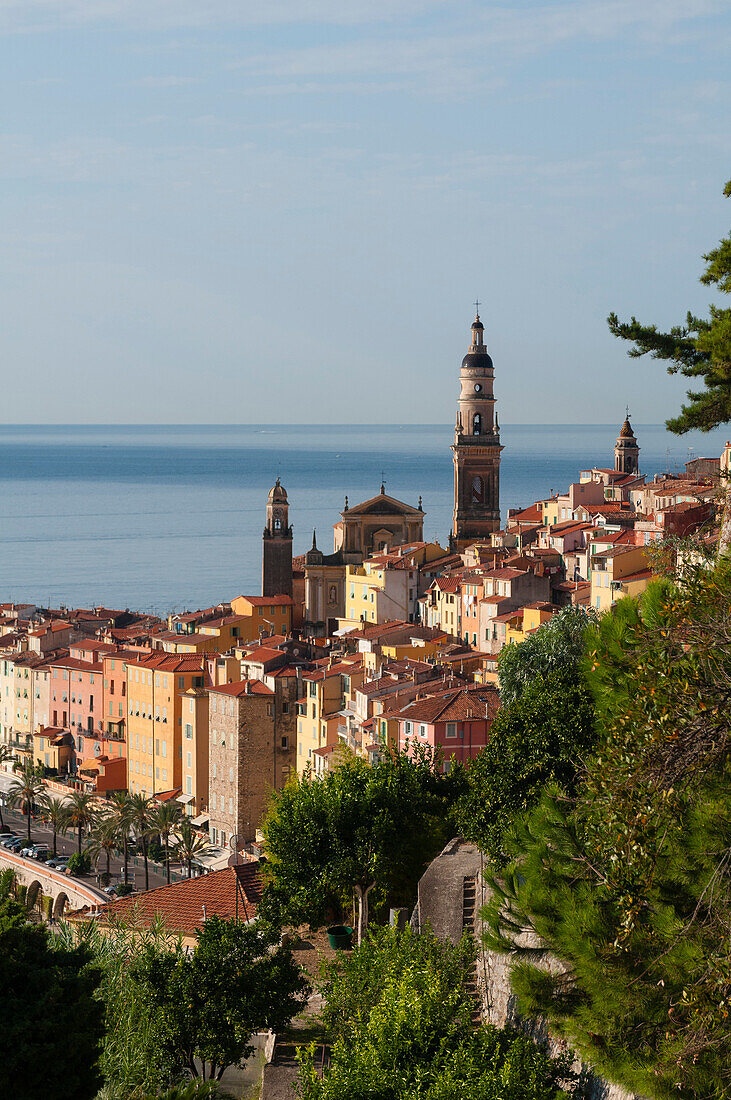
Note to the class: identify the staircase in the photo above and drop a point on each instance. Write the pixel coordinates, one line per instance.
(469, 904)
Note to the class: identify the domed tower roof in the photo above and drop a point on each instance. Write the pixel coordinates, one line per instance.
(278, 494)
(477, 355)
(626, 430)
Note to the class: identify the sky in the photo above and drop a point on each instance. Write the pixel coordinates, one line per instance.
(222, 211)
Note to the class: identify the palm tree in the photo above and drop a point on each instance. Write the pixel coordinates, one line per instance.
(190, 844)
(82, 812)
(120, 812)
(6, 755)
(26, 791)
(103, 838)
(140, 815)
(165, 820)
(56, 814)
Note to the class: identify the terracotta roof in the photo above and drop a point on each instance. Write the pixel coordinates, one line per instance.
(167, 796)
(243, 687)
(262, 654)
(182, 904)
(644, 574)
(268, 601)
(455, 705)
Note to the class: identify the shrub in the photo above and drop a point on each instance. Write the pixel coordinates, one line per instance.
(79, 863)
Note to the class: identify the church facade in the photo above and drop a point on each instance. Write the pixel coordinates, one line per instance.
(376, 525)
(476, 449)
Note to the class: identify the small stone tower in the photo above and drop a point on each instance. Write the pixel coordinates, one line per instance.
(626, 451)
(276, 569)
(476, 448)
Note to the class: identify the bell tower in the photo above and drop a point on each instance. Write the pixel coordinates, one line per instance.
(626, 450)
(276, 569)
(476, 447)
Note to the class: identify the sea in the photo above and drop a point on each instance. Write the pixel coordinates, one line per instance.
(169, 518)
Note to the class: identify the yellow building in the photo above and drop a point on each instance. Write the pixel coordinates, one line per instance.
(156, 686)
(609, 568)
(326, 692)
(194, 759)
(387, 586)
(416, 649)
(267, 614)
(527, 619)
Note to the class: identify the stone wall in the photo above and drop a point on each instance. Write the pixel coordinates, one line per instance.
(440, 907)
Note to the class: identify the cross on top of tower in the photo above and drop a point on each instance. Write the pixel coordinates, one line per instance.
(477, 307)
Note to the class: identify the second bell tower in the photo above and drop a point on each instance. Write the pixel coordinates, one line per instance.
(476, 448)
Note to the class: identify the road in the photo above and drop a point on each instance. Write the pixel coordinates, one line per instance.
(67, 845)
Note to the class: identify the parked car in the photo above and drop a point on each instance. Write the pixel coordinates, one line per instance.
(111, 890)
(7, 835)
(15, 844)
(41, 852)
(58, 863)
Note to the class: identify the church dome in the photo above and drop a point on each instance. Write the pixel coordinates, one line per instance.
(477, 359)
(477, 323)
(626, 431)
(277, 495)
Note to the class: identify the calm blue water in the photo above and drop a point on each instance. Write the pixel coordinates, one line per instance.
(165, 518)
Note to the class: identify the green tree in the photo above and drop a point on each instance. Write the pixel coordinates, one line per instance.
(134, 1062)
(103, 840)
(627, 882)
(399, 1017)
(239, 979)
(44, 983)
(55, 813)
(366, 826)
(557, 646)
(141, 810)
(699, 349)
(82, 813)
(190, 844)
(164, 821)
(6, 756)
(120, 812)
(544, 736)
(26, 791)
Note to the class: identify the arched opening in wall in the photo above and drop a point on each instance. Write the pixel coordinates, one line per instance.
(33, 895)
(476, 424)
(478, 490)
(60, 905)
(333, 594)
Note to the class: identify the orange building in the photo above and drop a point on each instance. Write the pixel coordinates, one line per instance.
(156, 686)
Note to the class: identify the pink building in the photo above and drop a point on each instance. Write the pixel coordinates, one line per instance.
(75, 703)
(457, 721)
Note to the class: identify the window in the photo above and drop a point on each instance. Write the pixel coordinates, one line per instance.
(189, 759)
(215, 770)
(213, 803)
(188, 785)
(451, 729)
(285, 742)
(230, 805)
(230, 775)
(188, 731)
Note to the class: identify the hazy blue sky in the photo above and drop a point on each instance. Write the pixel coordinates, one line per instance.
(282, 210)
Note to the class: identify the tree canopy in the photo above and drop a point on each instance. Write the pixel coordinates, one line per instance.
(357, 827)
(543, 736)
(399, 1015)
(50, 1040)
(700, 348)
(628, 881)
(557, 646)
(237, 980)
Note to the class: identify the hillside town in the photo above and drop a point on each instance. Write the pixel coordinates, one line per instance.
(388, 640)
